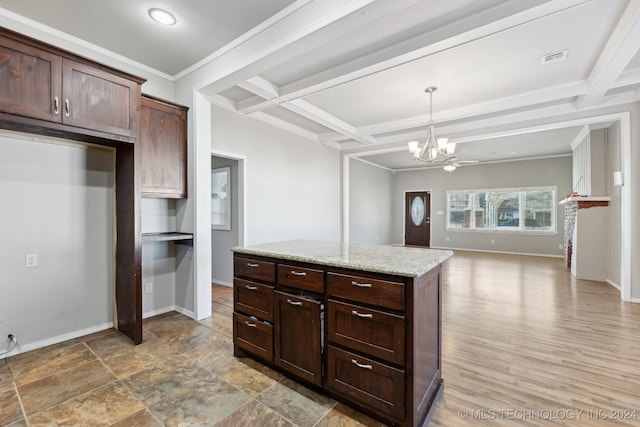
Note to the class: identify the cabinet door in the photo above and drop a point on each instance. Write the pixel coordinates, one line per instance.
(254, 299)
(253, 336)
(99, 100)
(370, 383)
(373, 332)
(163, 138)
(30, 81)
(297, 336)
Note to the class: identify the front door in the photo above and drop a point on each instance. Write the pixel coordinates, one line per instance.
(417, 218)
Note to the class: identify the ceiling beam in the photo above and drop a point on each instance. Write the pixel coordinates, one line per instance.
(557, 94)
(223, 70)
(621, 47)
(493, 21)
(265, 89)
(227, 104)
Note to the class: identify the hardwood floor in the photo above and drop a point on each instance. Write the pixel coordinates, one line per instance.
(525, 343)
(219, 290)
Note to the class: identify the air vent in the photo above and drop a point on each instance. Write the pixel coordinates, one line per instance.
(550, 58)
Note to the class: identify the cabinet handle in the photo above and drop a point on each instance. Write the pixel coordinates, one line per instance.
(249, 324)
(361, 285)
(66, 107)
(251, 288)
(56, 105)
(294, 302)
(364, 316)
(361, 366)
(298, 273)
(253, 265)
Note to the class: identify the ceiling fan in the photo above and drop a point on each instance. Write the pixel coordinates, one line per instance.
(453, 163)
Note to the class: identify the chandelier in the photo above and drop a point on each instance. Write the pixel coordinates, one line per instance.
(434, 150)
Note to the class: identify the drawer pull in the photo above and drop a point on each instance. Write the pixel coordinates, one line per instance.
(364, 316)
(56, 105)
(251, 288)
(249, 324)
(253, 265)
(67, 110)
(294, 302)
(298, 273)
(361, 285)
(361, 366)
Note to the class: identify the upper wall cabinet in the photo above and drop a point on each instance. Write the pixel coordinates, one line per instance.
(38, 81)
(163, 142)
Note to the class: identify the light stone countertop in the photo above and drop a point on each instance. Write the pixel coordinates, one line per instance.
(397, 260)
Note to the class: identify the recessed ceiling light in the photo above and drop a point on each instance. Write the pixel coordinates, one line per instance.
(162, 16)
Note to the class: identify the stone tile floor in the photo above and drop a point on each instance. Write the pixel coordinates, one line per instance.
(183, 374)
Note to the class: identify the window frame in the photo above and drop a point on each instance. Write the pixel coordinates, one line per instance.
(521, 229)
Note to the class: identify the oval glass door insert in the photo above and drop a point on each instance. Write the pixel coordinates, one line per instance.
(417, 211)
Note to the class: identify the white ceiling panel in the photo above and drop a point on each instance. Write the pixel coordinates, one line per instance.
(124, 26)
(494, 67)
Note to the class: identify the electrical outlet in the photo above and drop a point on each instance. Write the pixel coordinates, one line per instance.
(148, 287)
(560, 246)
(31, 260)
(493, 241)
(448, 238)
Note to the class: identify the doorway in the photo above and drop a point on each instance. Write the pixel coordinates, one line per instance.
(417, 218)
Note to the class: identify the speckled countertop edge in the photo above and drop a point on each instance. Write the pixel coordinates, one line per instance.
(386, 259)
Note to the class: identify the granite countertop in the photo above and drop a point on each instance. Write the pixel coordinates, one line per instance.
(397, 260)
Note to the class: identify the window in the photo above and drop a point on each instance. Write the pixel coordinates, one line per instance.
(529, 210)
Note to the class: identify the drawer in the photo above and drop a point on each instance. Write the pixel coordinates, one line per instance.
(301, 278)
(372, 384)
(253, 336)
(254, 269)
(366, 291)
(253, 299)
(375, 333)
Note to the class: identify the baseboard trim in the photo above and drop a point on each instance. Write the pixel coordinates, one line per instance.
(158, 311)
(497, 252)
(221, 282)
(23, 348)
(612, 283)
(167, 309)
(185, 312)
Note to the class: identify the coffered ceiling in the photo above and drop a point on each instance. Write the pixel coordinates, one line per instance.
(351, 74)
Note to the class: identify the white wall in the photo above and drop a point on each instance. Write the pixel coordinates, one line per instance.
(58, 202)
(292, 184)
(533, 173)
(370, 190)
(158, 258)
(223, 240)
(613, 163)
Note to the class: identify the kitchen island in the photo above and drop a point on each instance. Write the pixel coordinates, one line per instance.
(359, 322)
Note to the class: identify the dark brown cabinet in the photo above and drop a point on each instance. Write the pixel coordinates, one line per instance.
(30, 81)
(163, 140)
(48, 91)
(297, 335)
(93, 98)
(40, 82)
(375, 385)
(370, 340)
(253, 336)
